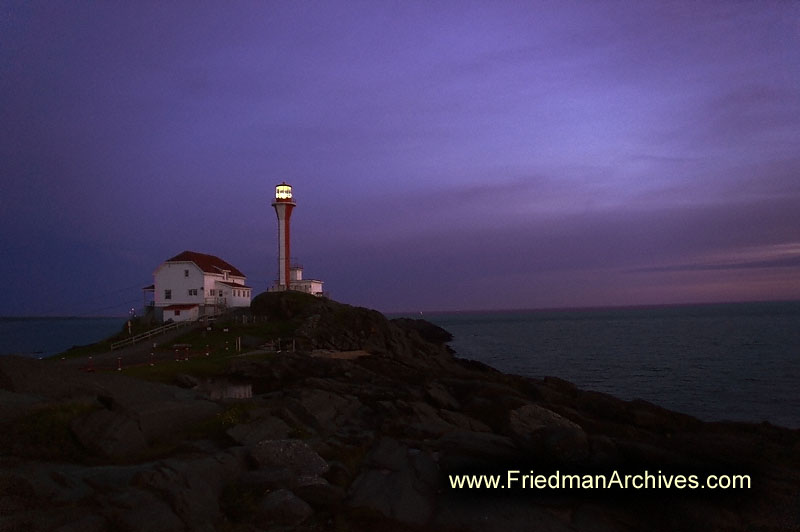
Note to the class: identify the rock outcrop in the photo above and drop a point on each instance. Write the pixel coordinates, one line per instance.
(364, 443)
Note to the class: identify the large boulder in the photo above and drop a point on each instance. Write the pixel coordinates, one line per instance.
(529, 418)
(398, 483)
(267, 428)
(134, 509)
(325, 411)
(418, 419)
(293, 455)
(463, 449)
(109, 434)
(192, 487)
(550, 436)
(282, 507)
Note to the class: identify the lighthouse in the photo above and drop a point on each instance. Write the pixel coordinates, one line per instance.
(290, 276)
(283, 204)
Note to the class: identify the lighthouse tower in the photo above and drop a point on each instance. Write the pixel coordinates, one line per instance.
(290, 276)
(284, 203)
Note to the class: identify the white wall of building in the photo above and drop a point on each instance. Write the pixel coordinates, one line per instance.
(309, 286)
(179, 278)
(182, 314)
(233, 296)
(295, 274)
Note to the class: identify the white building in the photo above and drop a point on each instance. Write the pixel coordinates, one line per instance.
(309, 286)
(298, 284)
(191, 285)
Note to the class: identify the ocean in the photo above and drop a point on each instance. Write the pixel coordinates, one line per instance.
(736, 362)
(44, 337)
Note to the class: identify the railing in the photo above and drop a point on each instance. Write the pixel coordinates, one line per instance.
(149, 334)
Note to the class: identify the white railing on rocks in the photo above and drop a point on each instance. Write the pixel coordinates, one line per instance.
(152, 332)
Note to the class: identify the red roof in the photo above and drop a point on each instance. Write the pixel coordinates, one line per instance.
(180, 307)
(207, 263)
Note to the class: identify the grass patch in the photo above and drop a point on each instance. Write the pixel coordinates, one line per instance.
(201, 367)
(78, 351)
(167, 370)
(214, 427)
(218, 340)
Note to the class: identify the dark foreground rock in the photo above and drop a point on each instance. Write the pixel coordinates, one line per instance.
(367, 443)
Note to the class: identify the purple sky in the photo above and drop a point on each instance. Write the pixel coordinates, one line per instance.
(444, 155)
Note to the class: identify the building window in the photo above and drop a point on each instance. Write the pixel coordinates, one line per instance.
(167, 294)
(193, 291)
(211, 292)
(177, 312)
(186, 273)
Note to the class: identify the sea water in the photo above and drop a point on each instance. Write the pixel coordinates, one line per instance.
(43, 337)
(738, 362)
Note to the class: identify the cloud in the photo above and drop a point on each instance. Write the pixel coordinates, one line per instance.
(785, 262)
(785, 255)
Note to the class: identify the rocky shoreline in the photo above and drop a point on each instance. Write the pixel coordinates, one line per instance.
(362, 442)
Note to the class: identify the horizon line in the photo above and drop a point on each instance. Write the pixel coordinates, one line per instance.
(595, 307)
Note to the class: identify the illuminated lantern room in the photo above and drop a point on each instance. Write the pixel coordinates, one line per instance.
(283, 193)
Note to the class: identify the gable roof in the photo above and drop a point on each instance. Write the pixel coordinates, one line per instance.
(207, 263)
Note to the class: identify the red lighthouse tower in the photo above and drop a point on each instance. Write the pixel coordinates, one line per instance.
(284, 203)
